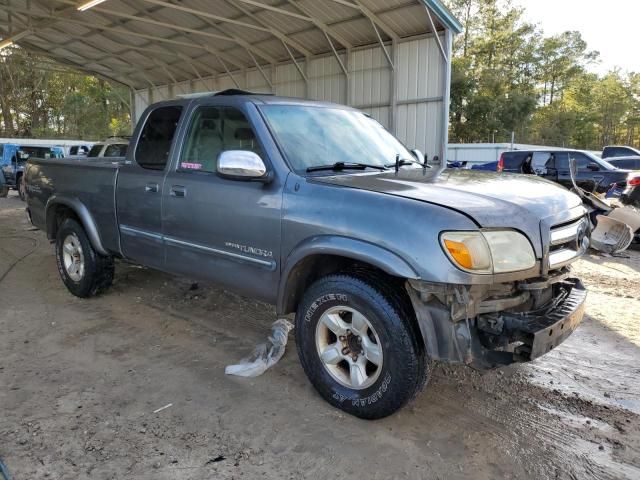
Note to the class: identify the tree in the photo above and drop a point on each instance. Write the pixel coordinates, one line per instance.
(41, 99)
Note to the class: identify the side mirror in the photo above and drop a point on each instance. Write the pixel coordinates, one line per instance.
(594, 167)
(242, 165)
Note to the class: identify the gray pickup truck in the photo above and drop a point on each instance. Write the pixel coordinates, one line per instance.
(314, 207)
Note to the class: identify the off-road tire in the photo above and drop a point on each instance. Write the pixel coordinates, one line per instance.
(406, 367)
(98, 269)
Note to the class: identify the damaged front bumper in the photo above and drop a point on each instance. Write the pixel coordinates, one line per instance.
(487, 327)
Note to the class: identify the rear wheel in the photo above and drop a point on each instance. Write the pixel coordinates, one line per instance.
(84, 272)
(4, 191)
(358, 346)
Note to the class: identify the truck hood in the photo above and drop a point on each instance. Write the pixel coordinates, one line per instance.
(492, 200)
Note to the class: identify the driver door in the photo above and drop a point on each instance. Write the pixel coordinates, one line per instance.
(219, 229)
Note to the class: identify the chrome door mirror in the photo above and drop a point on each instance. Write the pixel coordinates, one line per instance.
(242, 165)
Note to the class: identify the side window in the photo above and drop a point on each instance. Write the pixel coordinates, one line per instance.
(73, 151)
(212, 131)
(237, 133)
(95, 150)
(514, 160)
(204, 141)
(541, 161)
(562, 160)
(581, 160)
(154, 144)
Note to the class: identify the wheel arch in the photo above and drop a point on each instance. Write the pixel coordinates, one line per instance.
(324, 255)
(59, 208)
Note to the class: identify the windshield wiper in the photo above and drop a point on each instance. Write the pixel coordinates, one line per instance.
(338, 166)
(402, 162)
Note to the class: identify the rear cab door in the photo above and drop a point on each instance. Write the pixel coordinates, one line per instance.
(140, 183)
(219, 229)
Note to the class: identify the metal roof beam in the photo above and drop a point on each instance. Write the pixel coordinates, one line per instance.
(371, 16)
(262, 72)
(135, 34)
(298, 67)
(321, 25)
(174, 26)
(97, 61)
(101, 30)
(77, 66)
(435, 33)
(335, 53)
(279, 10)
(206, 17)
(274, 31)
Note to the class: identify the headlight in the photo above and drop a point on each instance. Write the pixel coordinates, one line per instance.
(490, 251)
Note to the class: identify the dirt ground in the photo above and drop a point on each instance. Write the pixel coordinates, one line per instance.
(80, 380)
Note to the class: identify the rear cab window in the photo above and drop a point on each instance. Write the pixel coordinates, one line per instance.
(156, 138)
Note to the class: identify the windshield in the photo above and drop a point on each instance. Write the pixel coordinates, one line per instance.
(314, 136)
(600, 161)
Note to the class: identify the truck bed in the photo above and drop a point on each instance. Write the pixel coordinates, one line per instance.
(91, 182)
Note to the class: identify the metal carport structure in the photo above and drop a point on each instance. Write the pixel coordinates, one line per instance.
(390, 58)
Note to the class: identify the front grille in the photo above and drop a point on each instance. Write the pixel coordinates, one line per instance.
(567, 242)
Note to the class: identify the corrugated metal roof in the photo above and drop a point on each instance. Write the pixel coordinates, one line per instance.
(144, 43)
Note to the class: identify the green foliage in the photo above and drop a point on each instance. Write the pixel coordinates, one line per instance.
(40, 99)
(507, 76)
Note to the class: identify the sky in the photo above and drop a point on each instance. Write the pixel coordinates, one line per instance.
(610, 27)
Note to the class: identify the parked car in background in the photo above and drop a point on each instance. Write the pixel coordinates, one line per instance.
(619, 151)
(316, 208)
(594, 174)
(111, 148)
(625, 163)
(57, 152)
(12, 162)
(631, 194)
(79, 150)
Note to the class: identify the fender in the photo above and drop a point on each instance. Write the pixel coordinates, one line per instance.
(346, 247)
(83, 214)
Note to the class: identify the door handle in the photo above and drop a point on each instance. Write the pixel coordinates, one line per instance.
(151, 188)
(178, 191)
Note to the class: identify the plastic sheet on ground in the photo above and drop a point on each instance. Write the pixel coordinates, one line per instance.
(265, 355)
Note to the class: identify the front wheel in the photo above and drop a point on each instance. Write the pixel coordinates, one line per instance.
(84, 272)
(358, 345)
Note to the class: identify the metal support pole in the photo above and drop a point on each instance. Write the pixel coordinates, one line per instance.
(132, 107)
(446, 99)
(393, 115)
